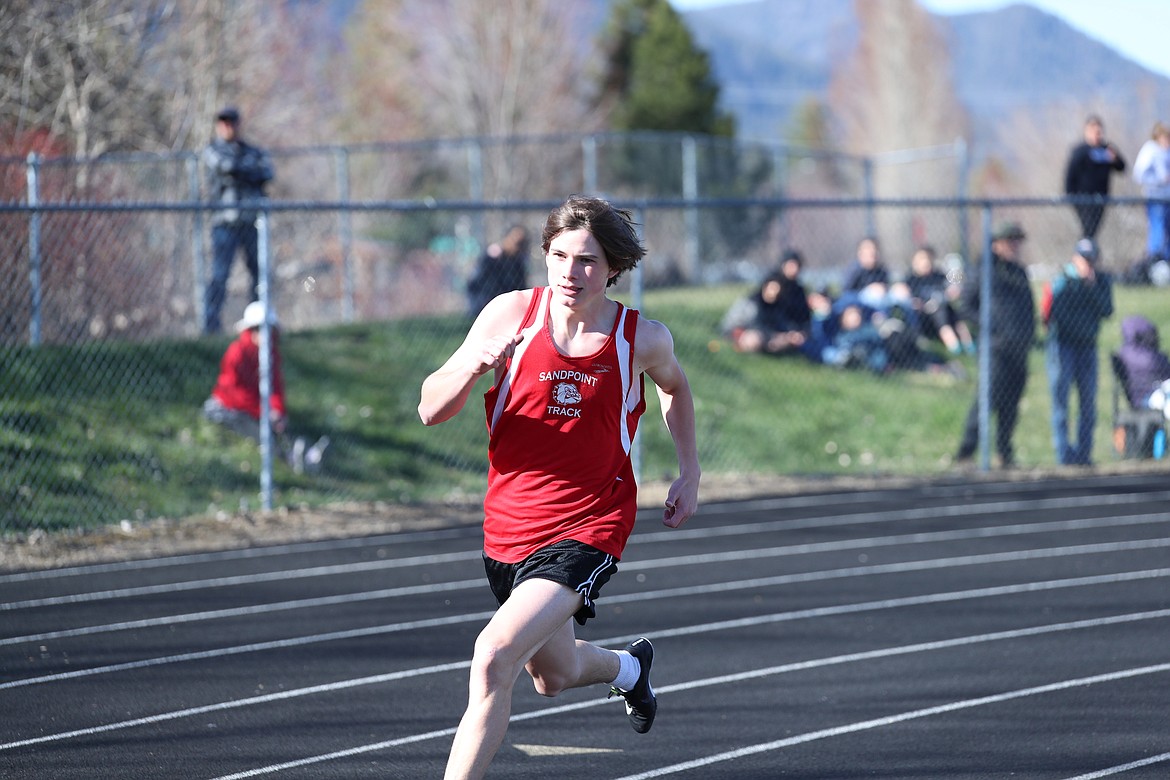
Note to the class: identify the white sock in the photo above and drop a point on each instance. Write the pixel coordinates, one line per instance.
(631, 669)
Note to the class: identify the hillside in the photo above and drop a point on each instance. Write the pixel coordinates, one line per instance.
(771, 54)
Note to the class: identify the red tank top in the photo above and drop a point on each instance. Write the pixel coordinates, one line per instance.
(559, 435)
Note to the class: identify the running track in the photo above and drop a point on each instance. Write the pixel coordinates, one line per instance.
(975, 629)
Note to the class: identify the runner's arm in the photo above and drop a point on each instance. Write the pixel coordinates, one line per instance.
(487, 346)
(655, 346)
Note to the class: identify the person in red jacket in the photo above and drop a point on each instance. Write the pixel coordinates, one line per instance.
(235, 399)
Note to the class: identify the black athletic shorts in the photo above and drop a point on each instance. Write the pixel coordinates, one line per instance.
(572, 564)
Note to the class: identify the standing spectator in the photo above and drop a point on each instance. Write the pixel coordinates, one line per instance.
(932, 296)
(1072, 308)
(503, 267)
(568, 363)
(867, 269)
(1151, 170)
(1013, 328)
(237, 173)
(1089, 166)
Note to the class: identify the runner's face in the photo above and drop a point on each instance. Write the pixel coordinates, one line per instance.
(577, 267)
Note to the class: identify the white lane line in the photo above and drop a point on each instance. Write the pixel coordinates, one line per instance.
(245, 553)
(883, 568)
(258, 609)
(278, 644)
(1116, 770)
(892, 515)
(241, 579)
(783, 579)
(704, 628)
(862, 517)
(251, 701)
(467, 556)
(845, 498)
(925, 537)
(377, 630)
(724, 680)
(889, 720)
(987, 532)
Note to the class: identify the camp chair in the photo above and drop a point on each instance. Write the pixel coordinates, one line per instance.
(1134, 429)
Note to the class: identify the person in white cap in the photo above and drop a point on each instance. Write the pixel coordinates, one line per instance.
(235, 400)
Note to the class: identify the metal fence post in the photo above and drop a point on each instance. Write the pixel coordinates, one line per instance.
(964, 174)
(266, 352)
(34, 250)
(589, 163)
(345, 228)
(690, 193)
(984, 382)
(198, 269)
(475, 185)
(867, 188)
(779, 187)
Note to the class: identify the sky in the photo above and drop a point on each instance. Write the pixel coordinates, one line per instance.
(1138, 29)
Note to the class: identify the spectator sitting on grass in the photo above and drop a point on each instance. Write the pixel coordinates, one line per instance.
(866, 269)
(931, 295)
(760, 322)
(856, 342)
(235, 400)
(794, 299)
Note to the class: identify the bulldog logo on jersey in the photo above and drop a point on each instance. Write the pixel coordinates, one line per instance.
(565, 394)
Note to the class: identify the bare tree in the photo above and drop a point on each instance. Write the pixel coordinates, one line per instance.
(463, 68)
(275, 61)
(75, 68)
(119, 75)
(896, 93)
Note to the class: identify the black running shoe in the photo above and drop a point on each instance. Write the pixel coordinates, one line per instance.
(641, 703)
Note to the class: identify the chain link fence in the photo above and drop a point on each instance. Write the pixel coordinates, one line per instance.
(104, 371)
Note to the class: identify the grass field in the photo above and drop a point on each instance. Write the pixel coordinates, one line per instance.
(93, 434)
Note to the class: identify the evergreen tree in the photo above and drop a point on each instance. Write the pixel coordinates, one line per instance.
(656, 77)
(658, 80)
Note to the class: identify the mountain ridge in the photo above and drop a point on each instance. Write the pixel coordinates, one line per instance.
(770, 55)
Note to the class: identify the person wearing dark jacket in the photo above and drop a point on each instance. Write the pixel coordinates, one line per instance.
(793, 297)
(867, 268)
(1147, 367)
(1073, 308)
(1013, 328)
(503, 267)
(761, 323)
(1087, 173)
(237, 173)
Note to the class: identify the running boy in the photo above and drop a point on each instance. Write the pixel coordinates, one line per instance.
(568, 364)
